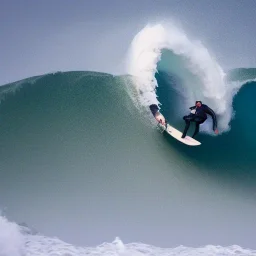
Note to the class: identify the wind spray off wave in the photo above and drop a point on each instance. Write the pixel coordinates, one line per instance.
(201, 76)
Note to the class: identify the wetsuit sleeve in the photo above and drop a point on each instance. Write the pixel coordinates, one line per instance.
(214, 119)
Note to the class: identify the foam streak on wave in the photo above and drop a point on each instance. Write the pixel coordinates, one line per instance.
(211, 87)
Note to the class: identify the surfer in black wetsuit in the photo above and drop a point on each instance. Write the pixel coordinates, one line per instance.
(199, 115)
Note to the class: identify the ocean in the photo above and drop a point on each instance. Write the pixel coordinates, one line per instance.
(85, 170)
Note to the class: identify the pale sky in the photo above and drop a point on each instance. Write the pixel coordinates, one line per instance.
(39, 37)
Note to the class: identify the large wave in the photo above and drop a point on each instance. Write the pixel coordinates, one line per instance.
(154, 48)
(74, 91)
(201, 76)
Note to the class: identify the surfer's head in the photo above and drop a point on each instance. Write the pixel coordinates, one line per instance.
(198, 103)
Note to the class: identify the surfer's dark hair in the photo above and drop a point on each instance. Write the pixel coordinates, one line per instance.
(199, 101)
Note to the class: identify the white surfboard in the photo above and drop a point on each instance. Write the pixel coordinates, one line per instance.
(177, 135)
(174, 132)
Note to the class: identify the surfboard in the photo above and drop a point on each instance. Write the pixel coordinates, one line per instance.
(177, 135)
(170, 129)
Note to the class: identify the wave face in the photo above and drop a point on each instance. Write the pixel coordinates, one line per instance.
(64, 140)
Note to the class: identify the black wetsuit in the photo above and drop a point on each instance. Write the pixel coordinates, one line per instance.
(199, 117)
(154, 109)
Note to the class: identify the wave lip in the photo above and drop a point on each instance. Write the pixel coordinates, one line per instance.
(207, 80)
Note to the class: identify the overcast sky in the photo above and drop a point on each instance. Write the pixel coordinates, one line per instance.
(39, 37)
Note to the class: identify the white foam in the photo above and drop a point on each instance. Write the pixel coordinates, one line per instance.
(44, 246)
(210, 87)
(11, 239)
(20, 241)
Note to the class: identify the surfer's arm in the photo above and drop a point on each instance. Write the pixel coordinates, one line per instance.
(214, 119)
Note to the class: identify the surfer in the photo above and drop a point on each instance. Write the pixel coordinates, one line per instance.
(158, 116)
(199, 115)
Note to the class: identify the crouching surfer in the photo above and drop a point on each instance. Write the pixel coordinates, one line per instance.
(158, 116)
(199, 115)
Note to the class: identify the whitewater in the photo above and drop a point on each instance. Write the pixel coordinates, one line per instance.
(19, 240)
(203, 78)
(155, 48)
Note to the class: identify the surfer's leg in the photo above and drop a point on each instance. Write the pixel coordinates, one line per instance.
(198, 122)
(187, 120)
(196, 129)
